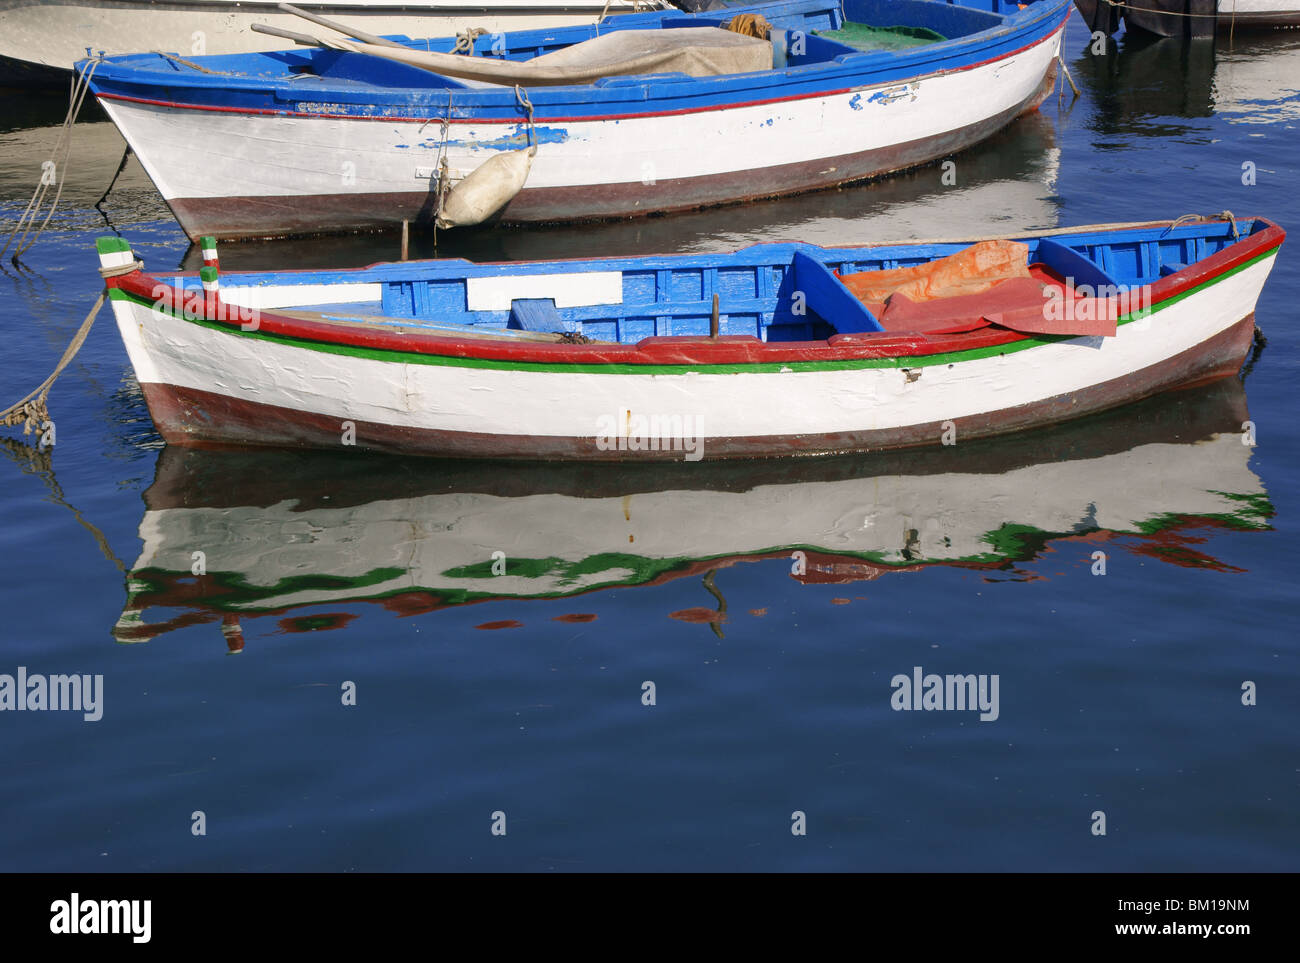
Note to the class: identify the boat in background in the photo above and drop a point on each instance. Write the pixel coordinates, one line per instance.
(1189, 18)
(361, 138)
(300, 541)
(776, 349)
(40, 41)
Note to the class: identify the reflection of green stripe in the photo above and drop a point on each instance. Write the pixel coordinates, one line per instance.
(1010, 542)
(1254, 514)
(147, 581)
(393, 356)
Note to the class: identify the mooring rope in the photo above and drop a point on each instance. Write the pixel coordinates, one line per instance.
(1058, 231)
(1168, 13)
(31, 411)
(1221, 216)
(126, 155)
(521, 95)
(37, 461)
(191, 64)
(1232, 23)
(465, 41)
(444, 176)
(59, 159)
(749, 25)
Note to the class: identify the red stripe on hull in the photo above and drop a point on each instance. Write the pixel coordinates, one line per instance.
(242, 218)
(560, 118)
(186, 416)
(692, 351)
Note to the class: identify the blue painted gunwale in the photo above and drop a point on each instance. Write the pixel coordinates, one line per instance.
(265, 84)
(671, 295)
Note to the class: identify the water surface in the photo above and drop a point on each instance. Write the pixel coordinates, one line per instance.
(522, 692)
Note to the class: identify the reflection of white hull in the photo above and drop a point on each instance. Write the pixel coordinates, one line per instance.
(1257, 88)
(1002, 207)
(278, 557)
(55, 35)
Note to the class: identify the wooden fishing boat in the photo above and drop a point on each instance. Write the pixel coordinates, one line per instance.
(776, 349)
(646, 114)
(300, 541)
(40, 40)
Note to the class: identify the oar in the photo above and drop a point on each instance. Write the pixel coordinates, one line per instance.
(298, 38)
(333, 25)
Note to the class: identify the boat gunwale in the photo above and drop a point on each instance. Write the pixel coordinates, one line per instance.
(857, 69)
(745, 351)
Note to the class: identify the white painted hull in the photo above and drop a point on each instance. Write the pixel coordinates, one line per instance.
(1258, 8)
(56, 35)
(329, 173)
(721, 410)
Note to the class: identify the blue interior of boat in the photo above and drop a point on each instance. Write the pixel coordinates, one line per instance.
(305, 66)
(771, 292)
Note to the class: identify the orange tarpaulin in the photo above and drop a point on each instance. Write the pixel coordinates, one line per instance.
(970, 271)
(986, 283)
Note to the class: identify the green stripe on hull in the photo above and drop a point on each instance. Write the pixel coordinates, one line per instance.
(394, 356)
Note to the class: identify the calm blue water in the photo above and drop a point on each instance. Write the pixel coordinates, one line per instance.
(522, 693)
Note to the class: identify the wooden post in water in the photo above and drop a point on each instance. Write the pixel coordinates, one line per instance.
(406, 239)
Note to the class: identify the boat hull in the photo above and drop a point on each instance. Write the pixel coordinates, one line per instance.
(214, 384)
(39, 42)
(194, 416)
(261, 216)
(351, 173)
(1196, 18)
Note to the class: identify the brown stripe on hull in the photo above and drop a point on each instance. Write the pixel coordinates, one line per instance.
(186, 416)
(232, 218)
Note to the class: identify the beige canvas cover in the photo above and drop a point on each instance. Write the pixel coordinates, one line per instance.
(696, 51)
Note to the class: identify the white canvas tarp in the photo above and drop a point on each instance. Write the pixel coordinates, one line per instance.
(696, 51)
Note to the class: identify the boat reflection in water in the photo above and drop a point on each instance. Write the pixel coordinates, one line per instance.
(1146, 89)
(283, 532)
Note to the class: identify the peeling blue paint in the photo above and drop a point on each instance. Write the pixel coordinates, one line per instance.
(515, 141)
(891, 95)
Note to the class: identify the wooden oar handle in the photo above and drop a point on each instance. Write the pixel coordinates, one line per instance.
(298, 38)
(333, 25)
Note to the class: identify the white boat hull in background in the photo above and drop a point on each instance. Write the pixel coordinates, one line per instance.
(39, 42)
(276, 175)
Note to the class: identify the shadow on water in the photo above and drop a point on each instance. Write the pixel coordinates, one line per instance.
(282, 533)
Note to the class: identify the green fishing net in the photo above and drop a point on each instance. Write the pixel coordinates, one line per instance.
(861, 36)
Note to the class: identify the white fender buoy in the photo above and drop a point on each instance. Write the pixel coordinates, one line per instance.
(487, 189)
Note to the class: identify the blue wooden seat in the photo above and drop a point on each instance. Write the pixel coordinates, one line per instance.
(538, 314)
(1069, 263)
(829, 298)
